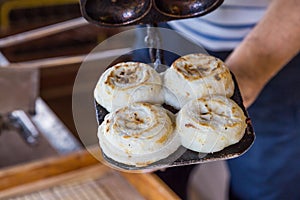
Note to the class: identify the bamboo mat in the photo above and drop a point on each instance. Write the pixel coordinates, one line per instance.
(92, 184)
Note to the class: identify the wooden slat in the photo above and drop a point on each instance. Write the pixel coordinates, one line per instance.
(22, 174)
(148, 185)
(77, 175)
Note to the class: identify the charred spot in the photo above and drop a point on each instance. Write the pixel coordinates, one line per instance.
(150, 137)
(189, 126)
(126, 137)
(180, 60)
(214, 69)
(204, 124)
(191, 70)
(136, 119)
(234, 109)
(115, 126)
(108, 79)
(235, 124)
(217, 77)
(162, 139)
(117, 66)
(178, 69)
(170, 108)
(122, 79)
(148, 106)
(201, 69)
(188, 67)
(139, 120)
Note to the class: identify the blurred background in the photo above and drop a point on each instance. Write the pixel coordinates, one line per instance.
(42, 45)
(19, 141)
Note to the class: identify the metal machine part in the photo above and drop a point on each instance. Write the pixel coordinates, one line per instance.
(21, 121)
(42, 32)
(19, 89)
(153, 41)
(53, 129)
(44, 122)
(114, 13)
(20, 107)
(3, 61)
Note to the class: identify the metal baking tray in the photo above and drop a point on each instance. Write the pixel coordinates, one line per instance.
(185, 156)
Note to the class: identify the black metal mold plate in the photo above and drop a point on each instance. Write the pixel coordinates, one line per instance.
(122, 13)
(185, 156)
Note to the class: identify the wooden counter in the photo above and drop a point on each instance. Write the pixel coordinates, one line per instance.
(71, 169)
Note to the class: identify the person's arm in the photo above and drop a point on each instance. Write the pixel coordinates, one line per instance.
(267, 48)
